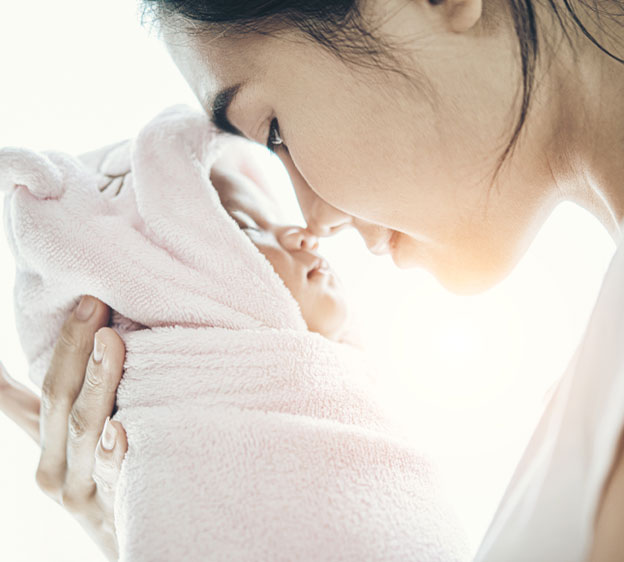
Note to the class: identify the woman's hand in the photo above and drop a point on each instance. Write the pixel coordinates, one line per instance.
(81, 449)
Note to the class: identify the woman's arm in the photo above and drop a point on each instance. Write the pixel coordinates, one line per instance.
(79, 463)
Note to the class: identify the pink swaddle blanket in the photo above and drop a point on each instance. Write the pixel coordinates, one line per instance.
(250, 438)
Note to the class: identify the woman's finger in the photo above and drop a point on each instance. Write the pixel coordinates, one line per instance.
(19, 404)
(61, 386)
(89, 412)
(109, 454)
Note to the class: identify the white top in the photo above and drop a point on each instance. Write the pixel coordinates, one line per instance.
(547, 513)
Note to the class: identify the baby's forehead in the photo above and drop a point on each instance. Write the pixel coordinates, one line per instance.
(250, 199)
(241, 193)
(276, 204)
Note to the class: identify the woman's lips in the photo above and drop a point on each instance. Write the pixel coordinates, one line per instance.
(382, 245)
(408, 252)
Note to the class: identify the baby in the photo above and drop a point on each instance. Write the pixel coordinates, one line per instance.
(253, 433)
(291, 250)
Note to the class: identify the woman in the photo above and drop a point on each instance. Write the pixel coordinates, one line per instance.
(444, 131)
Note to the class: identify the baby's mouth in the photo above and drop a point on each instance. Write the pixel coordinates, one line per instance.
(320, 267)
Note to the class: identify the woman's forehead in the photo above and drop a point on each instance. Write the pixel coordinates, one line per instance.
(210, 64)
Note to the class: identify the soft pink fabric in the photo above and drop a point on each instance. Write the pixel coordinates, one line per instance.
(250, 438)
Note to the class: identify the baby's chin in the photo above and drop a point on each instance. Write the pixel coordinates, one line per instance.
(328, 317)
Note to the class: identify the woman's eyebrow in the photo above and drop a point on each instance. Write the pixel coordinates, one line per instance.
(219, 110)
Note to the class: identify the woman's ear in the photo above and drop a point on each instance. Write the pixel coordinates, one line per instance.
(460, 15)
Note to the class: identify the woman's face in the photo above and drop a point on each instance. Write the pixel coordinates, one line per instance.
(406, 160)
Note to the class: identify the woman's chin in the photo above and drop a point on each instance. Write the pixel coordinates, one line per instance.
(465, 276)
(462, 273)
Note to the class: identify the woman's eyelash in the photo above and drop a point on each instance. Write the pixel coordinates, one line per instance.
(274, 138)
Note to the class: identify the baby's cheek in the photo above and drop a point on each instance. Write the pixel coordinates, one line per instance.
(281, 265)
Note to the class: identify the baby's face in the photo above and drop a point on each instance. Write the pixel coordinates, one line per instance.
(290, 249)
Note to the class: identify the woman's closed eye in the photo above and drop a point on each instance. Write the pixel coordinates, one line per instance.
(274, 138)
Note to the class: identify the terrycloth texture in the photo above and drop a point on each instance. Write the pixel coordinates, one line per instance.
(249, 437)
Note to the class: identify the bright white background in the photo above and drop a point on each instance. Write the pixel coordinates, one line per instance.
(467, 375)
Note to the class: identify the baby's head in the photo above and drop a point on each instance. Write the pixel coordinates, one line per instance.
(291, 250)
(149, 236)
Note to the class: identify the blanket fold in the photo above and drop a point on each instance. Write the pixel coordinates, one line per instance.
(298, 461)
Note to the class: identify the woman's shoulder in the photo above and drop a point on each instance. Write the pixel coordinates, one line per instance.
(550, 507)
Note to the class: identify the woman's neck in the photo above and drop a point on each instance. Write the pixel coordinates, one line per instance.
(587, 158)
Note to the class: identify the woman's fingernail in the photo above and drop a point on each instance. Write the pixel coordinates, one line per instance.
(98, 350)
(108, 435)
(85, 308)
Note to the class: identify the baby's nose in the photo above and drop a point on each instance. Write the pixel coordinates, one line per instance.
(296, 238)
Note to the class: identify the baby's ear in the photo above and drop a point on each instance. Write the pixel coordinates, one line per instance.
(20, 167)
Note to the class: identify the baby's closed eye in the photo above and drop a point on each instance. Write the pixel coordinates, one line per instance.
(244, 221)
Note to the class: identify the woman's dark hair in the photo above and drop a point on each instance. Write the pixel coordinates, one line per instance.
(338, 26)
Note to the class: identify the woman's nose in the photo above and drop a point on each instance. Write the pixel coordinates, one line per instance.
(322, 218)
(296, 238)
(325, 220)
